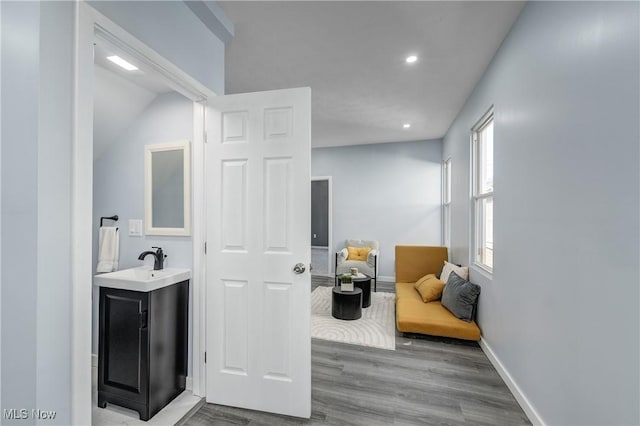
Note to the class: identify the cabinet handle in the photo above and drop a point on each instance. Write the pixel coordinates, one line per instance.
(143, 319)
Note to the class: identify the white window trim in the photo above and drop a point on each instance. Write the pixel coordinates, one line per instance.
(446, 203)
(476, 195)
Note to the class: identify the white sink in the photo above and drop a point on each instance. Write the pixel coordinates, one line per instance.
(142, 279)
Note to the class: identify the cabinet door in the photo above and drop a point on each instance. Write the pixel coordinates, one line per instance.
(124, 342)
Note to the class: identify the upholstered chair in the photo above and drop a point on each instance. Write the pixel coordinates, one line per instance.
(369, 266)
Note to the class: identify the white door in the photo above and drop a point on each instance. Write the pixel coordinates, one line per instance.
(258, 225)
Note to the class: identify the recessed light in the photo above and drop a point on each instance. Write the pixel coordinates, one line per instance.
(406, 125)
(411, 59)
(121, 62)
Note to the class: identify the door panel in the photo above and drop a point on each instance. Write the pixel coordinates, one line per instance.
(234, 205)
(276, 332)
(236, 345)
(278, 188)
(122, 361)
(123, 344)
(258, 216)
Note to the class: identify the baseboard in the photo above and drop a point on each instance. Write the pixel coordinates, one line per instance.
(183, 421)
(526, 406)
(323, 275)
(94, 360)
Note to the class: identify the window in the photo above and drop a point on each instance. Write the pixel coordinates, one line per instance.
(446, 202)
(482, 156)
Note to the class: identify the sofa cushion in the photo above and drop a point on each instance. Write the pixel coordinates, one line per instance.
(462, 271)
(358, 253)
(415, 316)
(429, 287)
(414, 262)
(460, 297)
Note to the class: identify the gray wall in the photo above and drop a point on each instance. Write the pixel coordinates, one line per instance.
(386, 192)
(118, 187)
(36, 210)
(54, 209)
(1, 211)
(561, 311)
(320, 213)
(20, 68)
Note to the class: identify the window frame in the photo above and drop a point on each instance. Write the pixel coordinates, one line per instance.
(446, 203)
(478, 196)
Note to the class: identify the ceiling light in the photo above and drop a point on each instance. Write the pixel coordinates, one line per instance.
(411, 59)
(121, 62)
(406, 125)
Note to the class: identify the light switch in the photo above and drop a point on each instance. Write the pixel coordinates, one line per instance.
(135, 228)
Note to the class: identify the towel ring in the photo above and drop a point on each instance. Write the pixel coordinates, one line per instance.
(114, 218)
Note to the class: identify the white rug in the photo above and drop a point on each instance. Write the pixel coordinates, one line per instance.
(376, 328)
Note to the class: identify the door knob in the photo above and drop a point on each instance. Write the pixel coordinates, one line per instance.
(299, 268)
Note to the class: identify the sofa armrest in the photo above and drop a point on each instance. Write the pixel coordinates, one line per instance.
(341, 256)
(371, 258)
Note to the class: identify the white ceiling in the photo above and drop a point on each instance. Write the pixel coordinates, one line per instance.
(352, 55)
(120, 96)
(144, 76)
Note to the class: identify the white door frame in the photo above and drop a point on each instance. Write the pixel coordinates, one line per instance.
(330, 264)
(87, 22)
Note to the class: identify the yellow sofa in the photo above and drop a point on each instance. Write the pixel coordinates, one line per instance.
(412, 314)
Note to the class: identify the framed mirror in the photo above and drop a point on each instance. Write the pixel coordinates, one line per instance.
(167, 192)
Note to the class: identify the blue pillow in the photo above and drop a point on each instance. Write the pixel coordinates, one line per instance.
(460, 297)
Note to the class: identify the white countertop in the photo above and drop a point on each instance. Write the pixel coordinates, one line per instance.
(143, 278)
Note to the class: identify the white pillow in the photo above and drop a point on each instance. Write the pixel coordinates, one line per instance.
(462, 271)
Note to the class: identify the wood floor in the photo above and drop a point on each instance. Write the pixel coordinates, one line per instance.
(425, 381)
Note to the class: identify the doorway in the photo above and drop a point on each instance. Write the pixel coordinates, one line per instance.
(321, 232)
(134, 107)
(283, 349)
(96, 33)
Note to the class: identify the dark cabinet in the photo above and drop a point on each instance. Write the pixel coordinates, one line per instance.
(142, 354)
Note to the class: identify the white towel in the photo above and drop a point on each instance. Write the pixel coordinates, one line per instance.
(109, 249)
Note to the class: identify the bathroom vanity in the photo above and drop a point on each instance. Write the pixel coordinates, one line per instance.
(143, 326)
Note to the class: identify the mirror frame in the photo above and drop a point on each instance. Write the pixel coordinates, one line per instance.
(185, 146)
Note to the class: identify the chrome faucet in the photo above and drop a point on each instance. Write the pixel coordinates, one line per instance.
(158, 255)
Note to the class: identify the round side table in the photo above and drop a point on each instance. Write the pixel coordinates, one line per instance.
(363, 283)
(346, 305)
